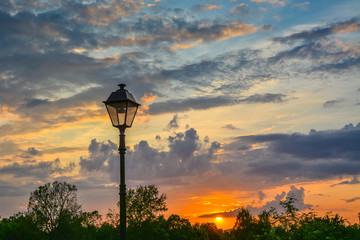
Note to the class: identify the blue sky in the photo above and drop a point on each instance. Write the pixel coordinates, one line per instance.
(242, 101)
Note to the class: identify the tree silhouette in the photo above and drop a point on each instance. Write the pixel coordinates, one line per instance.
(143, 204)
(53, 204)
(54, 214)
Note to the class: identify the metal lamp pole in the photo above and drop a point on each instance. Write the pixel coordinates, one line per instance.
(122, 108)
(122, 150)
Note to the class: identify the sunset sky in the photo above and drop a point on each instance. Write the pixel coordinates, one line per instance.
(243, 102)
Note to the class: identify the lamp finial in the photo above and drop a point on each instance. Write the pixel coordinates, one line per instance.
(121, 85)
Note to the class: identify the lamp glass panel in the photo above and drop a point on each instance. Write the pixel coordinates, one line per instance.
(131, 111)
(113, 115)
(121, 112)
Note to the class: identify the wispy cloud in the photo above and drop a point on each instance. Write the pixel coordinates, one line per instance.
(278, 2)
(206, 7)
(41, 170)
(351, 199)
(202, 103)
(241, 8)
(230, 126)
(320, 32)
(347, 182)
(332, 103)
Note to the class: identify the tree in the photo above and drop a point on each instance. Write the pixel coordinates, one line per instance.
(245, 225)
(54, 203)
(20, 226)
(213, 233)
(143, 204)
(179, 228)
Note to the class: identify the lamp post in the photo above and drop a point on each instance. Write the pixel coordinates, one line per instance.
(122, 107)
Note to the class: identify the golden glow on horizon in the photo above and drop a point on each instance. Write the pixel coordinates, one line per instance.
(219, 218)
(320, 194)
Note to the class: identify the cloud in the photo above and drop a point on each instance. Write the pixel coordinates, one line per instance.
(347, 182)
(316, 33)
(241, 8)
(264, 98)
(33, 151)
(267, 27)
(202, 103)
(279, 2)
(239, 70)
(60, 58)
(98, 14)
(316, 145)
(230, 126)
(297, 193)
(303, 5)
(81, 83)
(30, 153)
(99, 153)
(82, 27)
(351, 199)
(186, 156)
(8, 147)
(199, 103)
(293, 157)
(15, 189)
(262, 195)
(206, 7)
(40, 170)
(332, 103)
(174, 123)
(324, 55)
(349, 63)
(60, 150)
(176, 33)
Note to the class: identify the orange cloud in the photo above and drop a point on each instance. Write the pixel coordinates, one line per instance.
(132, 41)
(186, 38)
(185, 45)
(143, 111)
(103, 15)
(233, 29)
(4, 109)
(237, 29)
(211, 7)
(147, 98)
(344, 28)
(7, 114)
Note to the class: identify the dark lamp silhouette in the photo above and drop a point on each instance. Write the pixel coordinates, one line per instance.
(122, 107)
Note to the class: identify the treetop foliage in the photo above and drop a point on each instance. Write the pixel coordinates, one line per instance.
(143, 204)
(53, 213)
(50, 203)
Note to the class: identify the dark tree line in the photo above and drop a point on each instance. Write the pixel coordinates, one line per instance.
(54, 213)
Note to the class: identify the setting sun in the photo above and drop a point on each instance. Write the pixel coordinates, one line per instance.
(219, 218)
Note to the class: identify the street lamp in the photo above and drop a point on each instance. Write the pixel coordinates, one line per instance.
(122, 107)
